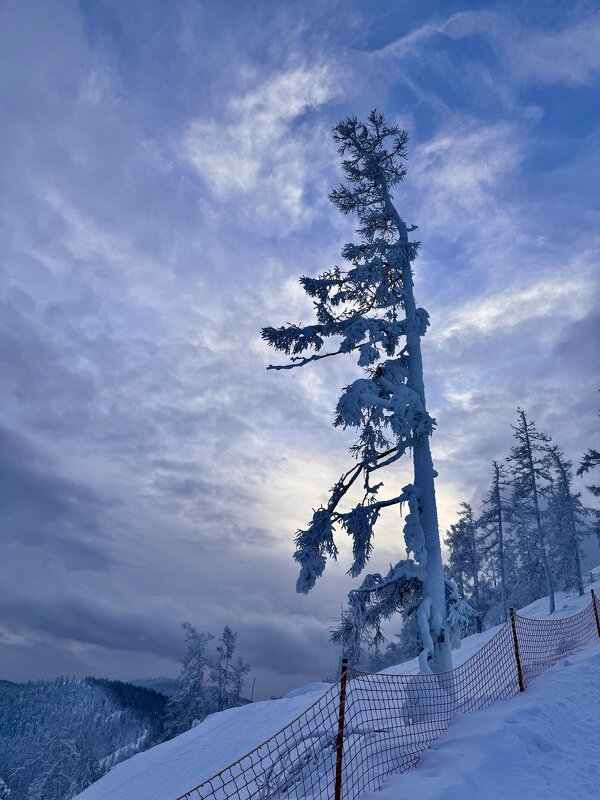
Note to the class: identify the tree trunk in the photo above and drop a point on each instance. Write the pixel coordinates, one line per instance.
(434, 583)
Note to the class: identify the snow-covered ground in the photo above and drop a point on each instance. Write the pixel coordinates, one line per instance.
(540, 745)
(547, 734)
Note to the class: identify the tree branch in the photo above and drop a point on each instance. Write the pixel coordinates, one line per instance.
(301, 361)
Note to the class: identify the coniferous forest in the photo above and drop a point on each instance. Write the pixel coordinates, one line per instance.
(59, 736)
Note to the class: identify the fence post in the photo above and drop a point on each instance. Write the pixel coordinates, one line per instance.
(517, 654)
(340, 735)
(595, 606)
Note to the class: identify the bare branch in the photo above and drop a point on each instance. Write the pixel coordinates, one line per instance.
(300, 361)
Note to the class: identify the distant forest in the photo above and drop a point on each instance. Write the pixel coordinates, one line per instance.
(57, 737)
(60, 736)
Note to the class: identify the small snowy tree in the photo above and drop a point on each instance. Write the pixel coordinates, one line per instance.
(369, 308)
(403, 647)
(567, 515)
(227, 674)
(529, 461)
(209, 680)
(529, 579)
(590, 460)
(352, 639)
(191, 701)
(465, 561)
(4, 790)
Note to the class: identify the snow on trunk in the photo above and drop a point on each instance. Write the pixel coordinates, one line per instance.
(434, 590)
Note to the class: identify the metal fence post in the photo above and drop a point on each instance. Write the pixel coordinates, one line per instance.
(513, 624)
(595, 606)
(340, 735)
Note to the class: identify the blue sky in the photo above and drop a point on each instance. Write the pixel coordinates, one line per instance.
(165, 175)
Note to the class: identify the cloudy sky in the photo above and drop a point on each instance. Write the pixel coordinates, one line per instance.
(165, 170)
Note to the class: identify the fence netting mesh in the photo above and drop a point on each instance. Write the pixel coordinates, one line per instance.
(389, 720)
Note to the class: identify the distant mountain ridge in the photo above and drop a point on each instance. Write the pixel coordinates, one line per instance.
(158, 683)
(57, 737)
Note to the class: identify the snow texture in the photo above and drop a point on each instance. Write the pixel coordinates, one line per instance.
(541, 745)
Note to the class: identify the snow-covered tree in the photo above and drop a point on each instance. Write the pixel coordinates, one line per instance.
(354, 640)
(530, 578)
(373, 653)
(465, 559)
(227, 674)
(530, 465)
(492, 523)
(590, 461)
(368, 307)
(4, 790)
(209, 680)
(58, 771)
(567, 516)
(191, 701)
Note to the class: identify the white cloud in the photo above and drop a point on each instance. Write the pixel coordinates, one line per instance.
(253, 149)
(458, 172)
(456, 26)
(571, 55)
(517, 304)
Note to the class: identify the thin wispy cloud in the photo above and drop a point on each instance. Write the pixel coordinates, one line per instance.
(534, 52)
(257, 147)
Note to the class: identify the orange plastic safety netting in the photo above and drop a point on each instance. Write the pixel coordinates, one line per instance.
(370, 725)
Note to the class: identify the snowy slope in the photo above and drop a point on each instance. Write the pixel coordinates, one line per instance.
(541, 745)
(169, 769)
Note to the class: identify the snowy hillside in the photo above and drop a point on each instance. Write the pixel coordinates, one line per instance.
(169, 769)
(58, 736)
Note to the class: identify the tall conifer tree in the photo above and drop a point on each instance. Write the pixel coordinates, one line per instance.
(465, 562)
(368, 307)
(492, 522)
(569, 514)
(529, 461)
